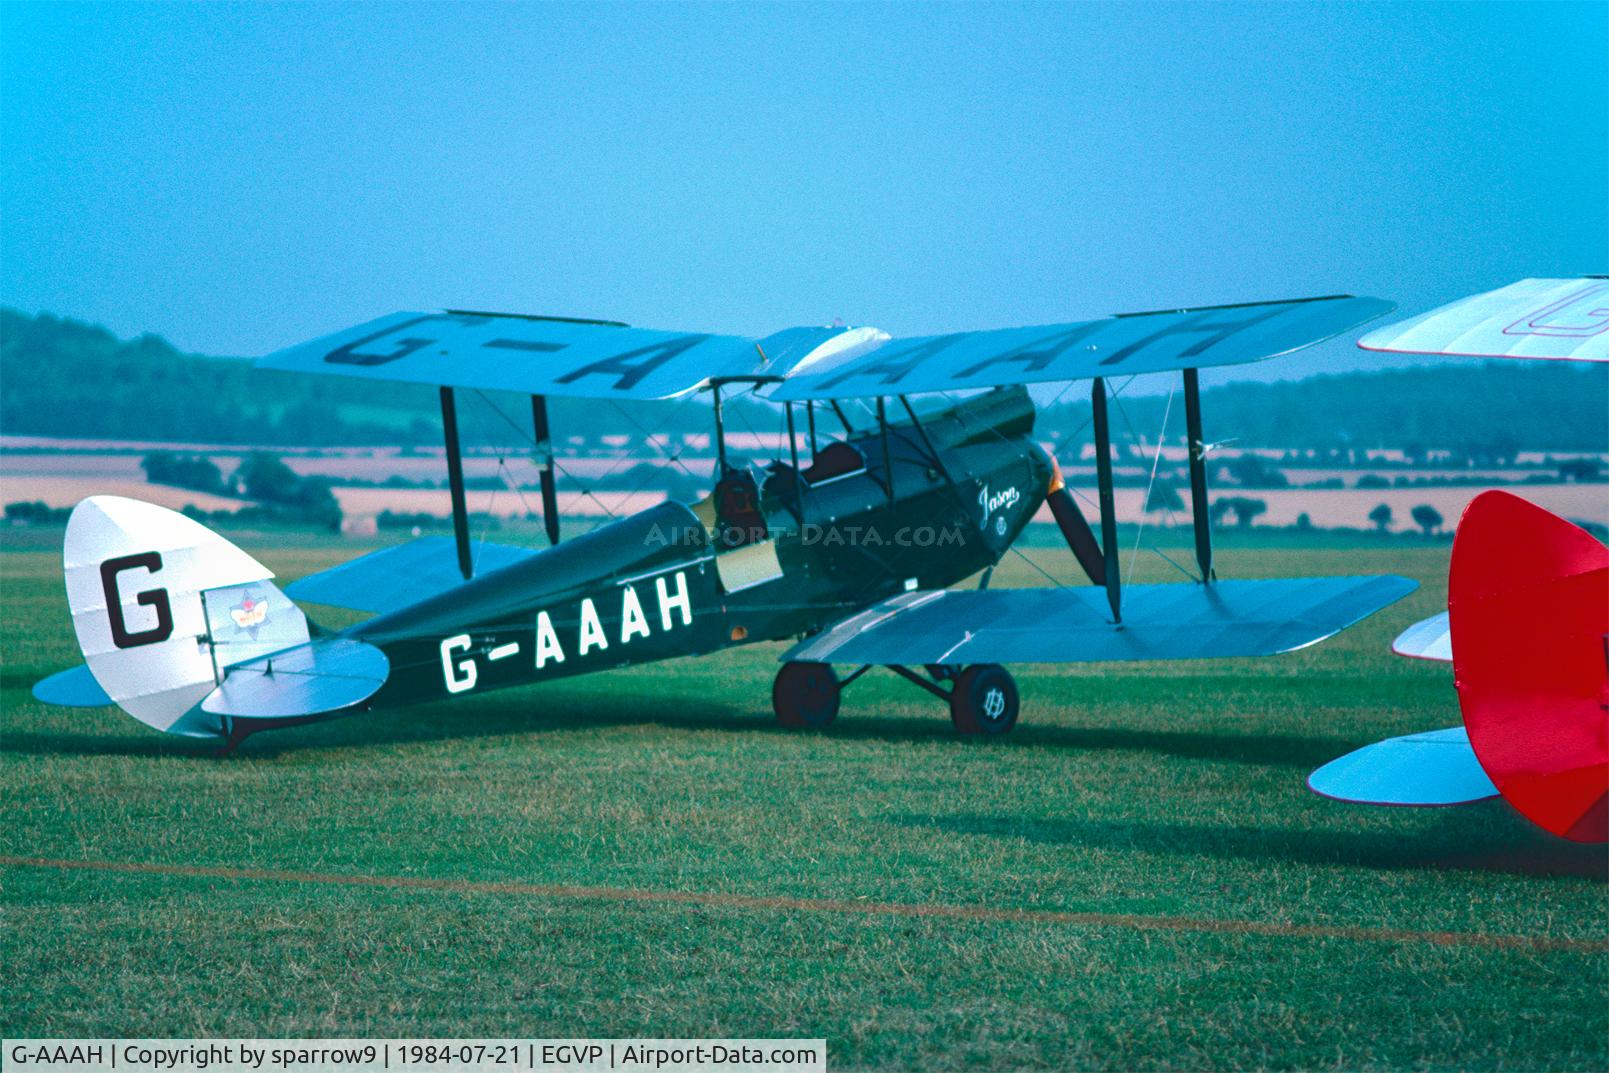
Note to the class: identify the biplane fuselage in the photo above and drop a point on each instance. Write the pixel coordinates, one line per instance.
(810, 547)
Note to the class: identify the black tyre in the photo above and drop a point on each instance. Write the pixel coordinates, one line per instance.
(984, 700)
(805, 695)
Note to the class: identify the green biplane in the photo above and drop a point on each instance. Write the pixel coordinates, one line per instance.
(849, 552)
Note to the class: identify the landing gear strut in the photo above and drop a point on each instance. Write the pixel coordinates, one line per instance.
(982, 698)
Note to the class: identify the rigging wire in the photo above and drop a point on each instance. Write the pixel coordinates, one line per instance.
(1134, 554)
(673, 458)
(1139, 446)
(503, 472)
(611, 514)
(531, 439)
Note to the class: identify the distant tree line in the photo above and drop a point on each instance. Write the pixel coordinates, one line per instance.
(35, 512)
(195, 472)
(1426, 517)
(282, 493)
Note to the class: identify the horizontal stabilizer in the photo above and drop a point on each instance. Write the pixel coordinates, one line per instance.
(1562, 319)
(73, 688)
(1430, 638)
(1073, 625)
(313, 679)
(399, 576)
(1434, 768)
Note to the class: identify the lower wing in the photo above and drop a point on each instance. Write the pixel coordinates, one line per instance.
(400, 575)
(1073, 625)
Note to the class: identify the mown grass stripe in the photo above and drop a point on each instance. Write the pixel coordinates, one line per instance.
(781, 903)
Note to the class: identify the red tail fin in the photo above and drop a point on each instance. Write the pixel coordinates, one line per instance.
(1528, 595)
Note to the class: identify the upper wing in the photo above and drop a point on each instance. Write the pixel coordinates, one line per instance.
(1072, 625)
(601, 359)
(1127, 344)
(1534, 318)
(545, 355)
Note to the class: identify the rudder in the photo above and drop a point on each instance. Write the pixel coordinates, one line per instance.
(162, 607)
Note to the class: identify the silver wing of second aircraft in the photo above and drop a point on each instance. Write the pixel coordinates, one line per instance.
(1560, 319)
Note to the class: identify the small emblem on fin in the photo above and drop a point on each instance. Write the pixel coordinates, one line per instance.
(251, 612)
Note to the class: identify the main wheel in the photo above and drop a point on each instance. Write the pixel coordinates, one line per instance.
(806, 695)
(984, 700)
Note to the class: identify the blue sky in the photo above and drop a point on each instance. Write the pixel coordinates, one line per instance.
(239, 178)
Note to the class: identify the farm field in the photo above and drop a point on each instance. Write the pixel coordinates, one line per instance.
(1135, 878)
(61, 480)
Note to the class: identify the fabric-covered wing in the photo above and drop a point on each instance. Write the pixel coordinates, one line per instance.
(1430, 638)
(1434, 768)
(601, 359)
(398, 576)
(539, 356)
(1535, 318)
(1072, 625)
(1111, 346)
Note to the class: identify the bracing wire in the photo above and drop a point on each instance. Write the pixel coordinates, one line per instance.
(506, 476)
(531, 439)
(672, 457)
(649, 437)
(1139, 532)
(612, 515)
(1161, 439)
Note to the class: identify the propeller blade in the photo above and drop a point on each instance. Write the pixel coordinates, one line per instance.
(1080, 537)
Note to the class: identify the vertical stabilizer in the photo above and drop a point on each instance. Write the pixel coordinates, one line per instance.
(162, 606)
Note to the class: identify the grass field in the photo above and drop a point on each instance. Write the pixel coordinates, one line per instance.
(1136, 878)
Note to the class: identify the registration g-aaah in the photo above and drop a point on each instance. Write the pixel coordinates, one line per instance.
(190, 635)
(586, 629)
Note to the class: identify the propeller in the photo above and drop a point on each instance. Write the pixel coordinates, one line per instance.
(1070, 520)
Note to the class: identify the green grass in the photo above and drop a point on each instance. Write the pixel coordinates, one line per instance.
(1163, 790)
